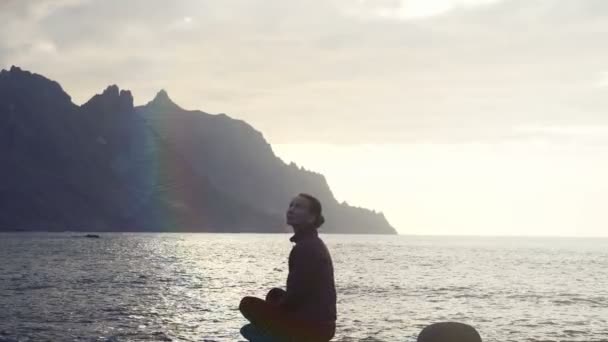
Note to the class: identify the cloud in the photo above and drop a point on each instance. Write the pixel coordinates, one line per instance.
(332, 71)
(603, 80)
(407, 9)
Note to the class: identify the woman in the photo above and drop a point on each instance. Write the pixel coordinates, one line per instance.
(306, 311)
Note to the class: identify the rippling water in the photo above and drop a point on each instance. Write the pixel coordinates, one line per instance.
(186, 287)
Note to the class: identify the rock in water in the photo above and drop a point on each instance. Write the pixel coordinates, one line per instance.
(449, 332)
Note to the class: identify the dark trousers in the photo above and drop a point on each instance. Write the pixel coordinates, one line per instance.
(269, 320)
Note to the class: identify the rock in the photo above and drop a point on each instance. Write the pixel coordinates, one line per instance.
(449, 332)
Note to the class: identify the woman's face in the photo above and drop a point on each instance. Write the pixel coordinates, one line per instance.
(298, 213)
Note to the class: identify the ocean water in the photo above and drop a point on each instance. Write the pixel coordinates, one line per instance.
(186, 287)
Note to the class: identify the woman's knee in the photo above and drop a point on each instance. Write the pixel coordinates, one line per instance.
(246, 304)
(275, 295)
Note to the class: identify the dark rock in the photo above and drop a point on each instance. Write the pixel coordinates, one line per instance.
(449, 332)
(161, 336)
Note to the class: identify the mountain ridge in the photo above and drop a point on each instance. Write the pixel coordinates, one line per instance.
(110, 165)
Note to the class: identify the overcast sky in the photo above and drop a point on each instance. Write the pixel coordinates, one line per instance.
(451, 116)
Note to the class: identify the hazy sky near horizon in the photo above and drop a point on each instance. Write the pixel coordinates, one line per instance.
(450, 116)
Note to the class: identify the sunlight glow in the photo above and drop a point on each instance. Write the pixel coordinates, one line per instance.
(467, 189)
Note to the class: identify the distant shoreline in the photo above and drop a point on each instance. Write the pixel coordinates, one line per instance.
(505, 237)
(175, 232)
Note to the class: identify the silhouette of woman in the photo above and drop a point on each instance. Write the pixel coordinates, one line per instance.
(306, 311)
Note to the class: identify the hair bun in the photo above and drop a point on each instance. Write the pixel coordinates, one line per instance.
(320, 220)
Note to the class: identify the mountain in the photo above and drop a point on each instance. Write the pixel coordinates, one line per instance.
(110, 166)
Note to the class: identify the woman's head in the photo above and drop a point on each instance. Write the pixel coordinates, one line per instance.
(305, 211)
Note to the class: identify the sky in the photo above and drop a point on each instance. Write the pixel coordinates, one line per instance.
(452, 117)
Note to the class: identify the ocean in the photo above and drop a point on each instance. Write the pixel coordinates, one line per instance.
(187, 287)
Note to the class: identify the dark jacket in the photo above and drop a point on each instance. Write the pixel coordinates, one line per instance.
(311, 291)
